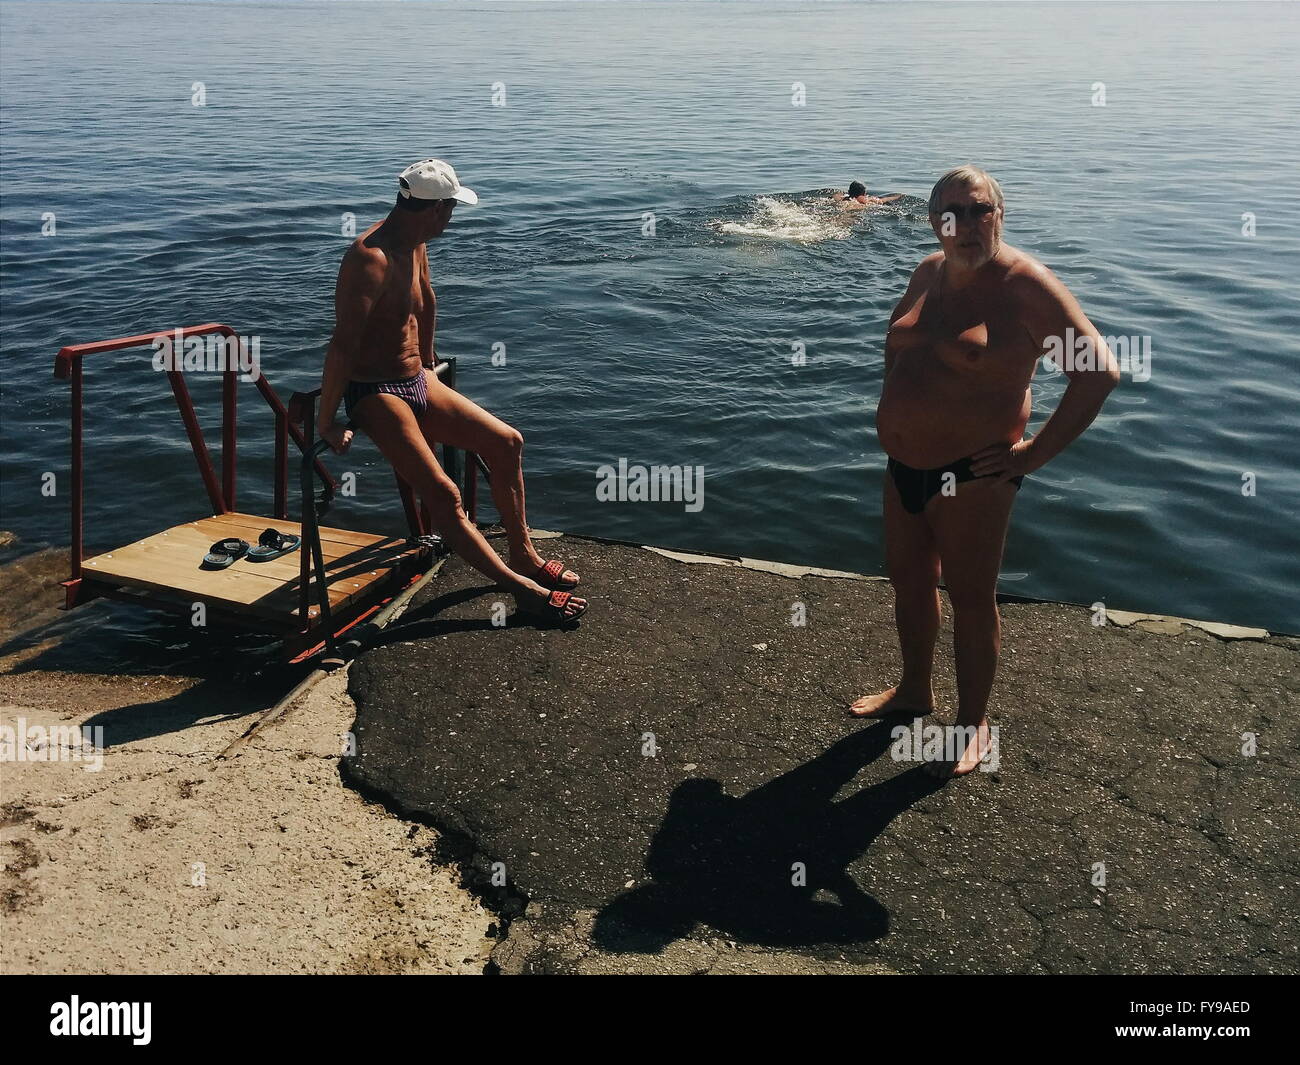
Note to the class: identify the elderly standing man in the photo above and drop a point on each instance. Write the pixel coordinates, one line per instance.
(961, 350)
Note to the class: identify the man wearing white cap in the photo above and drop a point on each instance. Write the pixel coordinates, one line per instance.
(380, 366)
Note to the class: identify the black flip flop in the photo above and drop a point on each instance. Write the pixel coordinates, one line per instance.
(224, 552)
(272, 544)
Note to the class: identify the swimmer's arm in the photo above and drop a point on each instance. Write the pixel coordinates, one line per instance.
(428, 314)
(921, 278)
(1049, 310)
(361, 280)
(887, 199)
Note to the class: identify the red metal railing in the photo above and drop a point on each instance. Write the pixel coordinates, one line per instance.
(221, 493)
(67, 366)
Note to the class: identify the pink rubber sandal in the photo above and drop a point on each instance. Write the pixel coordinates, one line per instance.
(551, 575)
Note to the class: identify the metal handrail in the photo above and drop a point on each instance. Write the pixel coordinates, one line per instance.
(311, 551)
(221, 494)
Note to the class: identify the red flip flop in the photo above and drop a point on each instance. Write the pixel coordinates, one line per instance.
(550, 574)
(554, 609)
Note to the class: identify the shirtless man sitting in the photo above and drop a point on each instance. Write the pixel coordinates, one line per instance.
(380, 365)
(960, 353)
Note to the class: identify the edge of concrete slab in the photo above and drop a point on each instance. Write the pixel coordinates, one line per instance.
(1163, 624)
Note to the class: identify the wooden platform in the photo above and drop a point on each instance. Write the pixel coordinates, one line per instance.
(360, 567)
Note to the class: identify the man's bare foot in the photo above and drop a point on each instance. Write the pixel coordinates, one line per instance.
(969, 758)
(895, 700)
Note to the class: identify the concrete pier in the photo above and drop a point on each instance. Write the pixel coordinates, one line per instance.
(675, 785)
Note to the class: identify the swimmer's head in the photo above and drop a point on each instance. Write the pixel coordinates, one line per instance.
(856, 189)
(966, 212)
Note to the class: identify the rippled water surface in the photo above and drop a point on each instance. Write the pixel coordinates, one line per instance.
(675, 348)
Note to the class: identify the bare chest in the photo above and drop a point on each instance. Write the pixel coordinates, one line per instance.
(403, 292)
(967, 334)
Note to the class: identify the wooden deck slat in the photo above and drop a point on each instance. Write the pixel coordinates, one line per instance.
(213, 529)
(252, 523)
(348, 570)
(169, 562)
(340, 559)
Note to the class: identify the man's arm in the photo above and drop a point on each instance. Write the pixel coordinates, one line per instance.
(428, 314)
(1049, 310)
(360, 283)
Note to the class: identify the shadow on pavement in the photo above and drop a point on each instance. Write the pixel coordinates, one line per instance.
(734, 863)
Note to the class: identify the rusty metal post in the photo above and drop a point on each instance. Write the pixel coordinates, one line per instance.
(229, 416)
(77, 549)
(197, 443)
(281, 465)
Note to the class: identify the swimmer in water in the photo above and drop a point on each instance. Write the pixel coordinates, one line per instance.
(858, 200)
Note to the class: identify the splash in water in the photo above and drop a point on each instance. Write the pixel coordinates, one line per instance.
(806, 223)
(811, 218)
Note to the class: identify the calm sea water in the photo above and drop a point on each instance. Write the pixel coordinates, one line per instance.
(676, 348)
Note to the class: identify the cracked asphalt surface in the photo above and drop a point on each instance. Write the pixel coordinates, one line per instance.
(675, 786)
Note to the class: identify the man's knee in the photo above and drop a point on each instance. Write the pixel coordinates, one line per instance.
(914, 591)
(443, 500)
(973, 601)
(510, 444)
(913, 576)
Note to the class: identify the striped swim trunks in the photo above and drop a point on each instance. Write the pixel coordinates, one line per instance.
(414, 390)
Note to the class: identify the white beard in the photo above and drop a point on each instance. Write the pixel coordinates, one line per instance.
(974, 258)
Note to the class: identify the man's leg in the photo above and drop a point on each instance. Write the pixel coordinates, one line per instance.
(912, 560)
(970, 529)
(454, 419)
(390, 423)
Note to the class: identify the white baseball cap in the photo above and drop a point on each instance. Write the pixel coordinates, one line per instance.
(432, 179)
